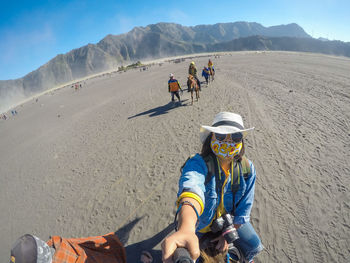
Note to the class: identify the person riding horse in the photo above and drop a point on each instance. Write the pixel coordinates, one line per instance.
(192, 70)
(211, 69)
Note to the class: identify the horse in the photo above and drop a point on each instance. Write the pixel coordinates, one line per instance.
(193, 87)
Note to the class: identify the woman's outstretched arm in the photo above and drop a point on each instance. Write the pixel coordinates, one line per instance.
(186, 235)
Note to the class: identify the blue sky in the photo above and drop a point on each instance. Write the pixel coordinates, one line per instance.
(33, 32)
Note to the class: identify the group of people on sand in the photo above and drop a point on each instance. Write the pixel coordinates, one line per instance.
(77, 86)
(4, 116)
(174, 86)
(214, 202)
(208, 71)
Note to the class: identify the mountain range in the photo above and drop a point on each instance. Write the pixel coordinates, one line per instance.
(163, 40)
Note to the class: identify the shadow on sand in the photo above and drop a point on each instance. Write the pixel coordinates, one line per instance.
(161, 109)
(133, 251)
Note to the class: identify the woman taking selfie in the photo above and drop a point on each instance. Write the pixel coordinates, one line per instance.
(215, 197)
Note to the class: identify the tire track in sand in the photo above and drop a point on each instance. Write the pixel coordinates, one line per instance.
(290, 249)
(256, 117)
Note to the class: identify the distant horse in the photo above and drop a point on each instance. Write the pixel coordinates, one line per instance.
(193, 87)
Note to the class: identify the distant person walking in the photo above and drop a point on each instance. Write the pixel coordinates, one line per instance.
(192, 70)
(174, 87)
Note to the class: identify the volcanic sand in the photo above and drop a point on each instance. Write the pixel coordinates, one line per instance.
(107, 157)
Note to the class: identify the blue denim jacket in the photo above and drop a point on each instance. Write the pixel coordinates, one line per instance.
(192, 180)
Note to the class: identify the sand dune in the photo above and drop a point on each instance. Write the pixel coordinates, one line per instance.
(107, 157)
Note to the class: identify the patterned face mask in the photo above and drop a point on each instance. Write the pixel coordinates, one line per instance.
(225, 149)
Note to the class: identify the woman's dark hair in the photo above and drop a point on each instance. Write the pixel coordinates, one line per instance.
(206, 149)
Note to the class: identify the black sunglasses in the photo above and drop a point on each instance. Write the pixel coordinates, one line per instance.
(235, 137)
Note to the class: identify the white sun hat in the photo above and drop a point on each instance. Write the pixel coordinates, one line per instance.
(171, 75)
(224, 123)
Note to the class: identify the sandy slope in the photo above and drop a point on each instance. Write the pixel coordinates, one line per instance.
(112, 157)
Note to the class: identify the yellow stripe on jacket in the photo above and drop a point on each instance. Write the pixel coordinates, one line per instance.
(194, 196)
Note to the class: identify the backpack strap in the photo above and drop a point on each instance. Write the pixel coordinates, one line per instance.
(241, 168)
(245, 167)
(235, 183)
(213, 170)
(237, 168)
